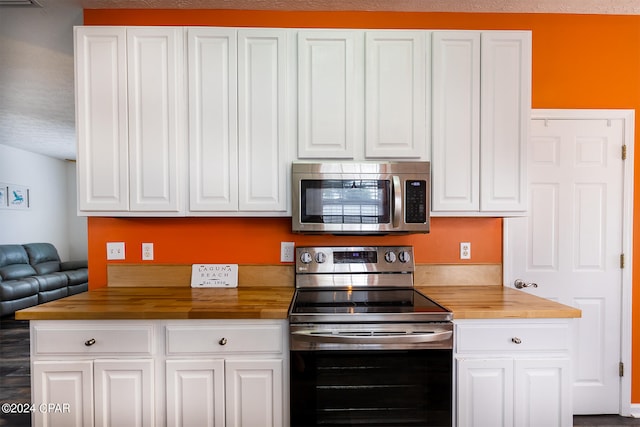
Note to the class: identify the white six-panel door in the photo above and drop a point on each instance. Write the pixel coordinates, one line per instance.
(571, 243)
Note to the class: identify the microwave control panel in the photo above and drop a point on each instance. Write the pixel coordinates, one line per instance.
(415, 202)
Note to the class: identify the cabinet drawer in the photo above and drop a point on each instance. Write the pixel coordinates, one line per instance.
(512, 337)
(71, 338)
(246, 338)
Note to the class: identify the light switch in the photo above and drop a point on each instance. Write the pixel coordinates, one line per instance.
(115, 250)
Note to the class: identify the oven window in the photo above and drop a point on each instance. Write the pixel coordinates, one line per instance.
(371, 388)
(345, 201)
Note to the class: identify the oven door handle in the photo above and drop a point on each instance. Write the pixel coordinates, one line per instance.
(372, 338)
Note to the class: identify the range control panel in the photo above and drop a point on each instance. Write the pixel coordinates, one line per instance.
(352, 259)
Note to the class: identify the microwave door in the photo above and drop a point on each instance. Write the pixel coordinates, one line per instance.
(397, 201)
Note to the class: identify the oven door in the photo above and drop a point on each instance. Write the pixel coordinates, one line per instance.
(365, 381)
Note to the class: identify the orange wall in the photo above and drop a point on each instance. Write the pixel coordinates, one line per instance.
(579, 61)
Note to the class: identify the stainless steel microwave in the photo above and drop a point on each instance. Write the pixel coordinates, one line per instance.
(361, 198)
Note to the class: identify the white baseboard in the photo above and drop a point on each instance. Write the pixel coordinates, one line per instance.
(634, 410)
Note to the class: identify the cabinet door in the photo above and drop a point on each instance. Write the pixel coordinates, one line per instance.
(213, 142)
(124, 393)
(456, 121)
(63, 383)
(330, 93)
(101, 118)
(506, 110)
(195, 393)
(156, 134)
(543, 393)
(254, 393)
(485, 392)
(263, 140)
(396, 83)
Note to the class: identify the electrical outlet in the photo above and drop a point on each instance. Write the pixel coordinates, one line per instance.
(147, 251)
(115, 250)
(465, 250)
(287, 251)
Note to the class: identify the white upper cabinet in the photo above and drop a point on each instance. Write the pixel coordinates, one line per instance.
(156, 128)
(157, 139)
(330, 99)
(363, 94)
(213, 137)
(456, 121)
(200, 120)
(130, 119)
(101, 118)
(263, 109)
(481, 106)
(506, 111)
(396, 84)
(238, 121)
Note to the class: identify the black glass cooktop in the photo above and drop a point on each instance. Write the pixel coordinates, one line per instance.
(363, 301)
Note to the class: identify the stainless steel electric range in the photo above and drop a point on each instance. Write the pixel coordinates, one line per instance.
(366, 347)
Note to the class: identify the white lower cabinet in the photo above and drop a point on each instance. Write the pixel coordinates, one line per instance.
(67, 383)
(155, 373)
(195, 393)
(94, 393)
(513, 373)
(226, 373)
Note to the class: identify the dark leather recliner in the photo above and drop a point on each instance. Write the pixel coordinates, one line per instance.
(32, 274)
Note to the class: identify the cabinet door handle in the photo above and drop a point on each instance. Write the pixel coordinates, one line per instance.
(223, 341)
(90, 342)
(516, 340)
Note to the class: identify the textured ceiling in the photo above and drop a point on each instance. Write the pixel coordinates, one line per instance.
(618, 7)
(36, 52)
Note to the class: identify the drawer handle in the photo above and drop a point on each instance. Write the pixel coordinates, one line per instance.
(223, 341)
(516, 340)
(90, 342)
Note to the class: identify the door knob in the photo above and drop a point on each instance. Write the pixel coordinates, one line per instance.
(521, 284)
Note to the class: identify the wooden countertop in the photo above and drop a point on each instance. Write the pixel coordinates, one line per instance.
(496, 302)
(466, 302)
(166, 303)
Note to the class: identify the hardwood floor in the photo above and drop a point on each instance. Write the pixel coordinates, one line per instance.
(15, 384)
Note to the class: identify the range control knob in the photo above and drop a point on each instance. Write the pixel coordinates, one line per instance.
(390, 256)
(404, 256)
(321, 257)
(305, 257)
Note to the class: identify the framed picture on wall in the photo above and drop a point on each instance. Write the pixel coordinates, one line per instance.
(18, 196)
(4, 199)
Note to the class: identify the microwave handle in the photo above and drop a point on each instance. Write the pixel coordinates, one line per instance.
(397, 201)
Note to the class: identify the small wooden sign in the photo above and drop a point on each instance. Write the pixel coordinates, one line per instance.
(214, 276)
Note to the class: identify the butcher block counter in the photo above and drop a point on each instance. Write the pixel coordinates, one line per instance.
(157, 291)
(466, 302)
(495, 302)
(166, 303)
